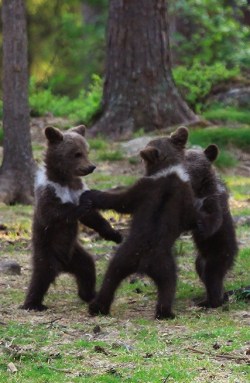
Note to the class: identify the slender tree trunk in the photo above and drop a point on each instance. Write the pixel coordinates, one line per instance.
(139, 91)
(16, 173)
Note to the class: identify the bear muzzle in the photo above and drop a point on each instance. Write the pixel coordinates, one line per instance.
(86, 170)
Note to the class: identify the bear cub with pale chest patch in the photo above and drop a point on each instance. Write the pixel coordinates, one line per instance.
(58, 188)
(215, 237)
(162, 207)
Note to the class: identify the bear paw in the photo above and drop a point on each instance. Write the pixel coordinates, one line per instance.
(164, 314)
(206, 304)
(33, 307)
(95, 308)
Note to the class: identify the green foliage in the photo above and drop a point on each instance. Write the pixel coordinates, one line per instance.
(110, 155)
(196, 81)
(65, 47)
(227, 113)
(98, 144)
(80, 110)
(224, 137)
(226, 160)
(243, 294)
(210, 31)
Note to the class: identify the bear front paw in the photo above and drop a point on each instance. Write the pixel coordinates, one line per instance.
(85, 204)
(89, 195)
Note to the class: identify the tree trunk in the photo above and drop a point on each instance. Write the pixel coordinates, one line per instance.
(139, 91)
(16, 173)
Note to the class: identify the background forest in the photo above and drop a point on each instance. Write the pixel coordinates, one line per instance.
(209, 40)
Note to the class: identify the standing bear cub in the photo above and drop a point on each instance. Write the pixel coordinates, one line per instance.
(57, 212)
(215, 237)
(160, 203)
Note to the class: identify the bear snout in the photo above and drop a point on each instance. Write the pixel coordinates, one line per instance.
(87, 170)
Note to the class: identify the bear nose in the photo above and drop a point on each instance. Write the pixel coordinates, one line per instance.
(91, 168)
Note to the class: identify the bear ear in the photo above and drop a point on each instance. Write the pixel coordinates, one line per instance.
(53, 135)
(180, 137)
(81, 129)
(150, 154)
(211, 152)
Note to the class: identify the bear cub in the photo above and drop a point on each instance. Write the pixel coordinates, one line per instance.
(57, 211)
(215, 236)
(162, 207)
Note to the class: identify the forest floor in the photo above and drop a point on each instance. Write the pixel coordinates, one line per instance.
(65, 344)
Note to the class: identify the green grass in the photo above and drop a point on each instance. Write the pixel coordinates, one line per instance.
(227, 114)
(98, 144)
(110, 155)
(63, 345)
(226, 139)
(239, 187)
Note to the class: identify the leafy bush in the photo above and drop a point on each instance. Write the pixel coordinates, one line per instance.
(210, 31)
(79, 110)
(195, 82)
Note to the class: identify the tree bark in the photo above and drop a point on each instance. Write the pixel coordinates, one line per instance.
(16, 173)
(139, 90)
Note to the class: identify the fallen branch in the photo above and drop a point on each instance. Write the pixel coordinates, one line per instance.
(65, 371)
(50, 323)
(223, 356)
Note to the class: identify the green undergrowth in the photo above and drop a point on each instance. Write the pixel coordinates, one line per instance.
(78, 110)
(226, 138)
(222, 136)
(227, 114)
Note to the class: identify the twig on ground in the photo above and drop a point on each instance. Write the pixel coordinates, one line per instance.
(50, 323)
(224, 356)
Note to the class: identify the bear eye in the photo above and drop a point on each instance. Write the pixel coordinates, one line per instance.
(78, 154)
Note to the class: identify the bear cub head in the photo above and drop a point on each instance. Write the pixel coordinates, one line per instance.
(67, 154)
(165, 152)
(199, 164)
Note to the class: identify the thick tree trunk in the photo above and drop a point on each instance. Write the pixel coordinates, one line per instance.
(16, 173)
(139, 91)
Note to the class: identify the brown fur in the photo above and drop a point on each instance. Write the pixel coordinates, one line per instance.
(55, 223)
(215, 238)
(156, 205)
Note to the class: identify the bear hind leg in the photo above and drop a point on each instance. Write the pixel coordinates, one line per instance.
(212, 274)
(121, 266)
(82, 266)
(42, 276)
(163, 273)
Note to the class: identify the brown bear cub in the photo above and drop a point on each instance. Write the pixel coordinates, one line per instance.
(215, 237)
(57, 212)
(160, 202)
